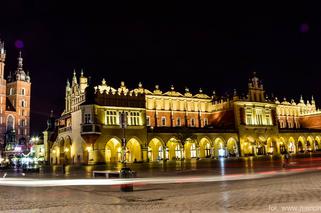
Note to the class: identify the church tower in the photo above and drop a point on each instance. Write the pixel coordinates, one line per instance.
(2, 93)
(256, 92)
(19, 93)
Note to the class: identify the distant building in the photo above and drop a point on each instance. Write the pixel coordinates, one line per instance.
(15, 94)
(173, 125)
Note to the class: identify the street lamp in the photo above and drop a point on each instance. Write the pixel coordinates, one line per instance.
(123, 125)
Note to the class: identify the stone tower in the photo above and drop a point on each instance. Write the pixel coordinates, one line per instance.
(2, 94)
(19, 93)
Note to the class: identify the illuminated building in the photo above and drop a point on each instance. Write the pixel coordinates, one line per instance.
(15, 93)
(173, 125)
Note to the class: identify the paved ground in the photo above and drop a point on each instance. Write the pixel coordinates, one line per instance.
(279, 193)
(300, 191)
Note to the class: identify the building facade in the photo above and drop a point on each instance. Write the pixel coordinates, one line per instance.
(103, 124)
(15, 94)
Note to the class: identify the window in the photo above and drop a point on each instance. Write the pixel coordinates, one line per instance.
(205, 122)
(23, 103)
(23, 112)
(178, 122)
(22, 91)
(11, 91)
(248, 119)
(22, 123)
(163, 121)
(192, 122)
(147, 121)
(87, 118)
(111, 118)
(134, 118)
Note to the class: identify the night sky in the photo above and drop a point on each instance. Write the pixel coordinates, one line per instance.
(197, 45)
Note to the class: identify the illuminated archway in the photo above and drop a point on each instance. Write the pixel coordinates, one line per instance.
(272, 147)
(300, 145)
(133, 152)
(291, 145)
(232, 148)
(55, 154)
(113, 150)
(219, 148)
(317, 145)
(309, 144)
(173, 149)
(261, 146)
(67, 150)
(247, 146)
(155, 150)
(190, 149)
(205, 148)
(282, 145)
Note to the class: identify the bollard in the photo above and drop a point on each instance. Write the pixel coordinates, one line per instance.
(126, 173)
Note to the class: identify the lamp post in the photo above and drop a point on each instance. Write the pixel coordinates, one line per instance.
(123, 125)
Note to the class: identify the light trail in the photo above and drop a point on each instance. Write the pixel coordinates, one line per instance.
(28, 182)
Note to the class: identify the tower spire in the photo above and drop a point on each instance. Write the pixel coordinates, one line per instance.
(20, 59)
(74, 78)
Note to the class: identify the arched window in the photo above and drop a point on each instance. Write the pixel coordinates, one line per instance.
(23, 91)
(178, 122)
(163, 121)
(23, 103)
(11, 91)
(192, 122)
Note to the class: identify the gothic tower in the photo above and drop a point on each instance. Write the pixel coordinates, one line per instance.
(2, 93)
(19, 93)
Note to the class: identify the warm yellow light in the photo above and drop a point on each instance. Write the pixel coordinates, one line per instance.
(66, 150)
(54, 151)
(88, 148)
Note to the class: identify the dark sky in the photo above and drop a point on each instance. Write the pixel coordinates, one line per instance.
(212, 46)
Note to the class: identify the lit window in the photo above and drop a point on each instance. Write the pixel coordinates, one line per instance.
(11, 91)
(111, 118)
(248, 119)
(134, 118)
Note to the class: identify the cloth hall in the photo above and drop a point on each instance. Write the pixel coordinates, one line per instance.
(173, 125)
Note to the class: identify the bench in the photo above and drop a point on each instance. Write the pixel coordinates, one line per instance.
(107, 173)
